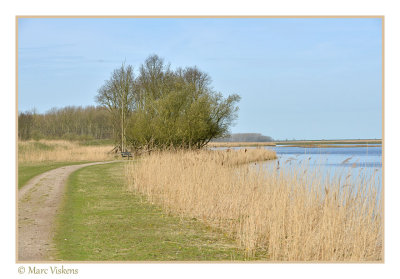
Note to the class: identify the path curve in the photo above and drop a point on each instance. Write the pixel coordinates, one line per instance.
(38, 204)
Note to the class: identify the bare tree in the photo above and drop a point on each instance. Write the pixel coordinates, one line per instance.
(118, 96)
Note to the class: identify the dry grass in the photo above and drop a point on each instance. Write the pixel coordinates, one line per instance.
(60, 151)
(287, 216)
(239, 144)
(235, 157)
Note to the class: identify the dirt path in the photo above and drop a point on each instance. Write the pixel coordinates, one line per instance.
(38, 203)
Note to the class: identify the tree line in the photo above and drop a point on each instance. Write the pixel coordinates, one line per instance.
(154, 107)
(73, 123)
(160, 107)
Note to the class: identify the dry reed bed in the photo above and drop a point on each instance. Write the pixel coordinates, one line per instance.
(239, 144)
(288, 216)
(235, 157)
(59, 151)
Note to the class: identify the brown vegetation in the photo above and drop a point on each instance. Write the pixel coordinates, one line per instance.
(285, 215)
(61, 151)
(239, 144)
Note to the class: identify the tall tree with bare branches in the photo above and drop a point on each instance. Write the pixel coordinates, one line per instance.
(118, 96)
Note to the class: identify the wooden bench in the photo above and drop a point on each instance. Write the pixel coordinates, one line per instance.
(126, 154)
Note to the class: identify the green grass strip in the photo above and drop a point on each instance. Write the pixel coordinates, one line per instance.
(102, 221)
(27, 171)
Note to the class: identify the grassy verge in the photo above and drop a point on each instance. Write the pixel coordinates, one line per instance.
(101, 220)
(26, 171)
(36, 157)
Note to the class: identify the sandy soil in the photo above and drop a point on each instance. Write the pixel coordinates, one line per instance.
(38, 203)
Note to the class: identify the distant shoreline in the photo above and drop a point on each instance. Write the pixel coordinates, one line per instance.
(332, 145)
(303, 143)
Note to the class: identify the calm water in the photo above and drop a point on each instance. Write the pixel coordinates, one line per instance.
(335, 161)
(354, 163)
(334, 157)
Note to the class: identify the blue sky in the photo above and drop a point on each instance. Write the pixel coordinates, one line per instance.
(298, 78)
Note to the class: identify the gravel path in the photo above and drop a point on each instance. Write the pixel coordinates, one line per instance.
(38, 203)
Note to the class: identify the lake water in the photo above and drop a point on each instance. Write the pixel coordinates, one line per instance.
(354, 163)
(364, 162)
(354, 157)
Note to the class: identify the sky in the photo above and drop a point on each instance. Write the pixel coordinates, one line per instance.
(298, 78)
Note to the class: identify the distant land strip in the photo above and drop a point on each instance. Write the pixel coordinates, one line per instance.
(318, 142)
(333, 145)
(303, 143)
